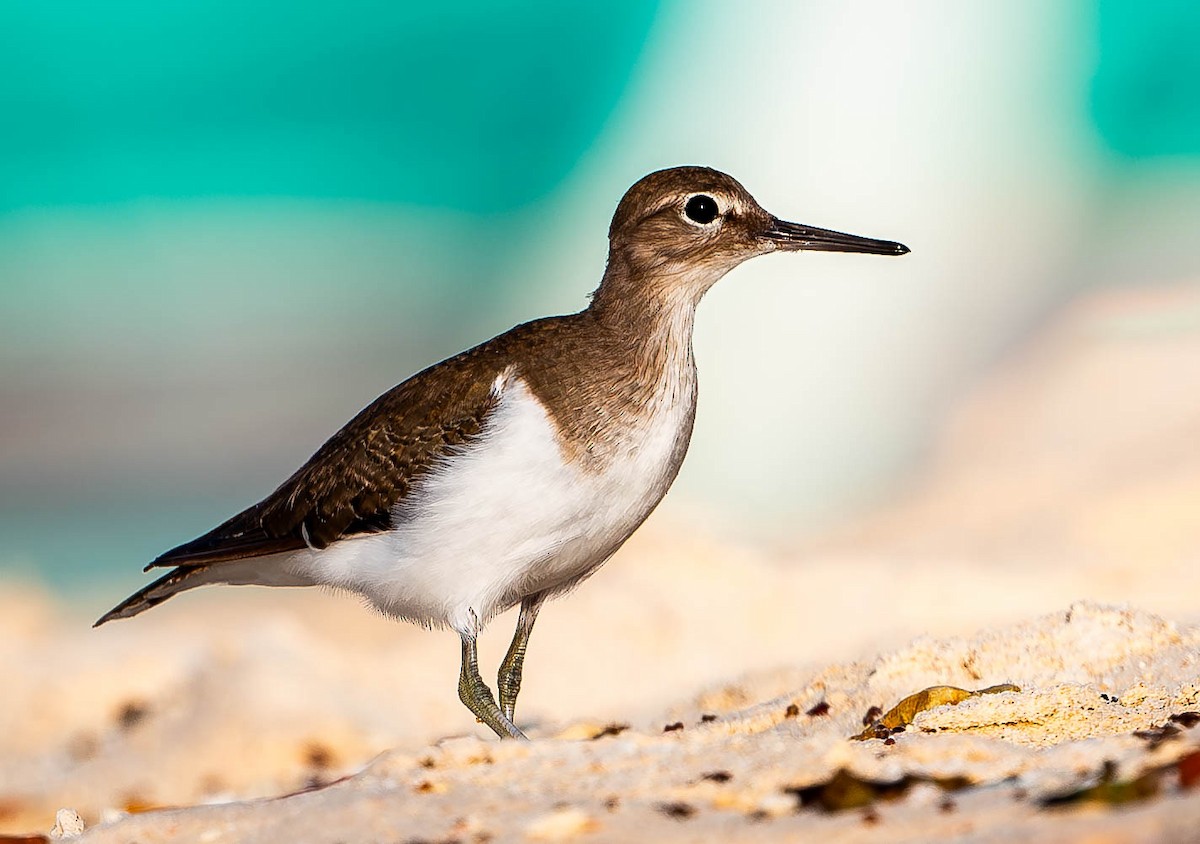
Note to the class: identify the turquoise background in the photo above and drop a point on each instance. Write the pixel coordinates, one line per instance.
(469, 105)
(1145, 97)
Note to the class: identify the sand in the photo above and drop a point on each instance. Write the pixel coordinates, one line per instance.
(698, 689)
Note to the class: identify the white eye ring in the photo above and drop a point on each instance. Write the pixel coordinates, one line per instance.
(700, 209)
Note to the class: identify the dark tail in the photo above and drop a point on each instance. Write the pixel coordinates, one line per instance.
(176, 581)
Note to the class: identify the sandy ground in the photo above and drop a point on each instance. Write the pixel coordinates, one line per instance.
(1050, 542)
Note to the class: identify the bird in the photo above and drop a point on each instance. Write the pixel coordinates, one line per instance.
(509, 473)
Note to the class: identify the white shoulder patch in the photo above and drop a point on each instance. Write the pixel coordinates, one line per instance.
(502, 381)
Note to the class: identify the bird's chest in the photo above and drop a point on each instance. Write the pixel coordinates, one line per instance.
(547, 480)
(638, 462)
(534, 514)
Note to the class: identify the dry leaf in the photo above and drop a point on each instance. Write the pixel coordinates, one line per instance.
(903, 713)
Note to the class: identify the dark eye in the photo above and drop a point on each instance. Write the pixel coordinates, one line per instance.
(701, 209)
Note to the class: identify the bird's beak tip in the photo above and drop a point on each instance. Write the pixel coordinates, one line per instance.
(797, 237)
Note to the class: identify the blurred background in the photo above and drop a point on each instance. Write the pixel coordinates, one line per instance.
(225, 228)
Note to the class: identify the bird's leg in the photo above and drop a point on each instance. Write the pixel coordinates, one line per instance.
(478, 697)
(508, 681)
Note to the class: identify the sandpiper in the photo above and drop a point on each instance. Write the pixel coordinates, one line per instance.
(509, 473)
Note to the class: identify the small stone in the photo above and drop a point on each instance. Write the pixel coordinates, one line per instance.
(678, 810)
(67, 824)
(1187, 720)
(776, 805)
(561, 825)
(132, 714)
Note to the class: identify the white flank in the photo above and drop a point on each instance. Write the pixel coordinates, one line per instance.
(508, 516)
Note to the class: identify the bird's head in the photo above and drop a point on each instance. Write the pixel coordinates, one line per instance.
(685, 227)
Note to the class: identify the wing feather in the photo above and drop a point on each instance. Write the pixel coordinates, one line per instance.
(351, 484)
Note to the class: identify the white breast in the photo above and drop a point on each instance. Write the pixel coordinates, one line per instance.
(509, 516)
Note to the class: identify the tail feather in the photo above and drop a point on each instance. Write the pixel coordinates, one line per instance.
(257, 571)
(172, 583)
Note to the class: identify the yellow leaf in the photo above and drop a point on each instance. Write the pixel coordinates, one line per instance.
(903, 713)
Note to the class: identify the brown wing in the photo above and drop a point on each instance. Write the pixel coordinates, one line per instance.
(351, 484)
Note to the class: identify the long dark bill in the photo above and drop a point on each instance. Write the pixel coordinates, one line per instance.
(793, 236)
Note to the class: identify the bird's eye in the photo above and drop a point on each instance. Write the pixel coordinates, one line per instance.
(701, 209)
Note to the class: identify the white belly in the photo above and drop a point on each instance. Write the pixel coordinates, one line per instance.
(508, 516)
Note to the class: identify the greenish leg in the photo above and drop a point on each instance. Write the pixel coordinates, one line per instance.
(478, 697)
(508, 682)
